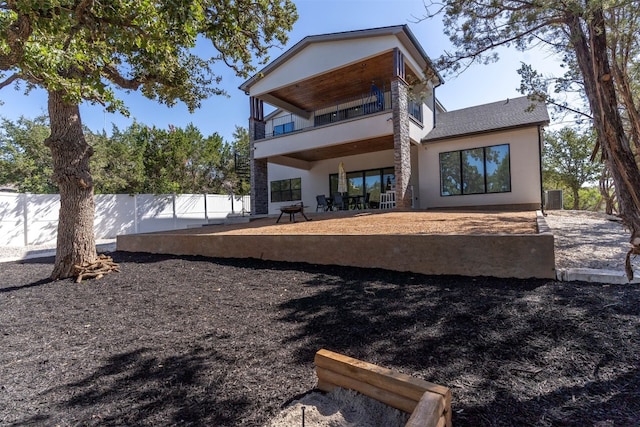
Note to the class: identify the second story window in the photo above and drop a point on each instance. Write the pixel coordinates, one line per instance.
(415, 110)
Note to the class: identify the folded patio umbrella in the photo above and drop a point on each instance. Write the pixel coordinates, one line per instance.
(342, 179)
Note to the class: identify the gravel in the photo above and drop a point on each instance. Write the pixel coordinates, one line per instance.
(12, 253)
(585, 239)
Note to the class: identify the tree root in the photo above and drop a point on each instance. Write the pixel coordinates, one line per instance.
(97, 269)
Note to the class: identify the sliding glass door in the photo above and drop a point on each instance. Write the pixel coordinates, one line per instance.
(361, 183)
(373, 185)
(355, 183)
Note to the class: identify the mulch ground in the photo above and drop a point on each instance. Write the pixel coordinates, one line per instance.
(208, 342)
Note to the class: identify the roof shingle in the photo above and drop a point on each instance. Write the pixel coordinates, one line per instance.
(510, 113)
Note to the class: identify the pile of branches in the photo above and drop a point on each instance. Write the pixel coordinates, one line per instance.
(97, 269)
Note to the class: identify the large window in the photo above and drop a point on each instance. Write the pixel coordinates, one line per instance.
(475, 171)
(286, 190)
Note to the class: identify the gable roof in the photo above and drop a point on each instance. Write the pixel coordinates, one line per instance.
(501, 115)
(401, 31)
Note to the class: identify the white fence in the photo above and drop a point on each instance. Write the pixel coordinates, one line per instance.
(32, 219)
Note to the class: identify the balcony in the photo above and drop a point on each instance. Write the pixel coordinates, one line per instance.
(353, 108)
(354, 126)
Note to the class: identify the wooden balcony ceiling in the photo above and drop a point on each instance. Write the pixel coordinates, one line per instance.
(344, 83)
(342, 150)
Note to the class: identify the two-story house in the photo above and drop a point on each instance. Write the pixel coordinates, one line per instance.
(367, 100)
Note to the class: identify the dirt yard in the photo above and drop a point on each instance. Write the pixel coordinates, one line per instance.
(195, 341)
(386, 222)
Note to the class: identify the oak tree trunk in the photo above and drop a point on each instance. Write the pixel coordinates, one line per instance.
(591, 53)
(70, 153)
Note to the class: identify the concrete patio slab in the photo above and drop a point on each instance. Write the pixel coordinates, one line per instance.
(594, 275)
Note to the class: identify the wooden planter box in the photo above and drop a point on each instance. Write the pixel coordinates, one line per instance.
(429, 404)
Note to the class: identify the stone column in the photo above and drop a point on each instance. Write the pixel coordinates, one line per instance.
(259, 174)
(401, 142)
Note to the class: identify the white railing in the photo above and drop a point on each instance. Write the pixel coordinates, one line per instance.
(32, 219)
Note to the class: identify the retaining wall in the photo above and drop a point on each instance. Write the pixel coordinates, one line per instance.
(501, 255)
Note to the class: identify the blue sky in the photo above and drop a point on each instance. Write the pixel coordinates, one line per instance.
(477, 85)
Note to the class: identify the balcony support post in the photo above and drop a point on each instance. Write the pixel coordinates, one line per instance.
(401, 142)
(259, 170)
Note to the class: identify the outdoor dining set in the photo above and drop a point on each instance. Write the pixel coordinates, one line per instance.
(340, 202)
(345, 202)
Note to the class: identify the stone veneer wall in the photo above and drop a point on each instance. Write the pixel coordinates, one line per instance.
(401, 142)
(259, 174)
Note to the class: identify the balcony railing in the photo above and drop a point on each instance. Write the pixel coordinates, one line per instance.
(344, 110)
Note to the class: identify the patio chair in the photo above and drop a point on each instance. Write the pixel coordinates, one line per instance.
(388, 200)
(356, 202)
(338, 202)
(323, 203)
(367, 201)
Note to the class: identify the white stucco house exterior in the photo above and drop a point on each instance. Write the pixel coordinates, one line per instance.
(367, 99)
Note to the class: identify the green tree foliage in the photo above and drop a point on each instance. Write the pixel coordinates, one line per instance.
(590, 199)
(84, 50)
(138, 159)
(25, 161)
(237, 163)
(567, 164)
(179, 160)
(623, 27)
(116, 165)
(599, 40)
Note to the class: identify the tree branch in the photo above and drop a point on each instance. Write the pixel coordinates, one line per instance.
(10, 80)
(459, 56)
(113, 75)
(564, 106)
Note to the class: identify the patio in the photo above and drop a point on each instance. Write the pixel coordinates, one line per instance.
(499, 244)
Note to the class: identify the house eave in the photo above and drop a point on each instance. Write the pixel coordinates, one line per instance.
(402, 32)
(426, 140)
